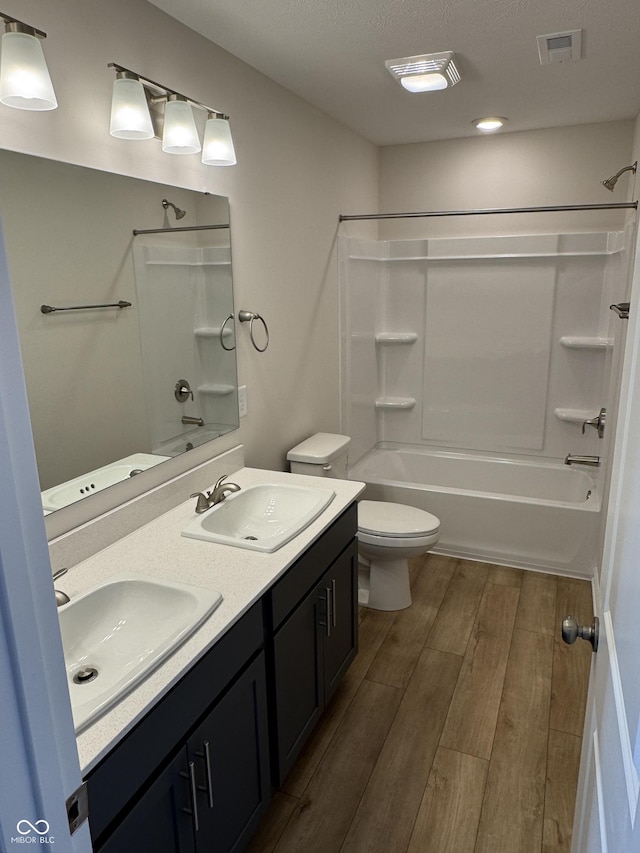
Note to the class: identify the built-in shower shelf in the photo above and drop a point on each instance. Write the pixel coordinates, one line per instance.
(576, 416)
(395, 403)
(187, 258)
(574, 342)
(392, 338)
(216, 390)
(212, 332)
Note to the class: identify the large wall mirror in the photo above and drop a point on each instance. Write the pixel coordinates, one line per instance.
(115, 390)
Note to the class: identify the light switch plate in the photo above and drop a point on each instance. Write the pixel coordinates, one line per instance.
(242, 400)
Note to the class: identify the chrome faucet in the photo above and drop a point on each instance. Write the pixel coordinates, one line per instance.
(217, 494)
(187, 419)
(61, 597)
(570, 459)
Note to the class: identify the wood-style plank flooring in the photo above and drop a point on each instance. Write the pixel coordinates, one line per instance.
(457, 728)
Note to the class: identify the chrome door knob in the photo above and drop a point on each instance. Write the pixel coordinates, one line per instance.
(571, 631)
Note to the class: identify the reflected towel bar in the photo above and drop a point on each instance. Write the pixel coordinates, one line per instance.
(49, 309)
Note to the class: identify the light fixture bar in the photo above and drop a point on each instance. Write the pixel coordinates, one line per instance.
(164, 91)
(32, 31)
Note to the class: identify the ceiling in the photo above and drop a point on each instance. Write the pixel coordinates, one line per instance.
(332, 54)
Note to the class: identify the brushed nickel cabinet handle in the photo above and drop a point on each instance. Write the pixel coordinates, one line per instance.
(193, 790)
(334, 618)
(327, 596)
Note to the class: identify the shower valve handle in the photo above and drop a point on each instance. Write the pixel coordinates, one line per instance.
(598, 423)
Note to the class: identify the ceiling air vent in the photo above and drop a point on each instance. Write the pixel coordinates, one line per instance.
(560, 47)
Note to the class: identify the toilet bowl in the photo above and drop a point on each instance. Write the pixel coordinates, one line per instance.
(389, 534)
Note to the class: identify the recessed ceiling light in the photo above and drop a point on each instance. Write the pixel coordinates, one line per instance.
(425, 73)
(489, 123)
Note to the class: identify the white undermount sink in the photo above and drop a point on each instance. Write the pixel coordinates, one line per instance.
(114, 635)
(260, 518)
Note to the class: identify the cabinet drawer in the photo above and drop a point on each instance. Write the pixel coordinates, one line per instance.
(306, 571)
(134, 760)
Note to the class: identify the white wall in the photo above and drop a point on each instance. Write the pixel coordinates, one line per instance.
(297, 169)
(554, 166)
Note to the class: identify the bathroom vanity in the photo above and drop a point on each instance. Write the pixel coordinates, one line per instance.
(188, 760)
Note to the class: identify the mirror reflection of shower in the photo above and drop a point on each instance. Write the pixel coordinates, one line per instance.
(610, 183)
(178, 212)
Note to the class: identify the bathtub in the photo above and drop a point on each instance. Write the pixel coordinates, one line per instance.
(529, 514)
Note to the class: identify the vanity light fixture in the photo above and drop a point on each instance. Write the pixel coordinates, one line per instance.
(24, 77)
(489, 124)
(179, 135)
(130, 118)
(427, 72)
(218, 149)
(142, 108)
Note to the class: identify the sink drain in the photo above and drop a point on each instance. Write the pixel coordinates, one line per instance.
(85, 675)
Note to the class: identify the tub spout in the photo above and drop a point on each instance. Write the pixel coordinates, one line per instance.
(570, 459)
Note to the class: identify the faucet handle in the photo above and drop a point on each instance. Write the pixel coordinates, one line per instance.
(203, 501)
(598, 422)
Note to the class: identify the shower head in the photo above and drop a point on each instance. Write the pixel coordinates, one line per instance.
(611, 182)
(179, 213)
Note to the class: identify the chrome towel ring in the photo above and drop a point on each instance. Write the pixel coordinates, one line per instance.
(228, 349)
(249, 316)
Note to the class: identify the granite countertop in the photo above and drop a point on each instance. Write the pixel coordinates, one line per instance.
(242, 576)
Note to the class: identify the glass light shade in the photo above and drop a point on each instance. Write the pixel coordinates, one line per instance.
(130, 117)
(180, 135)
(218, 149)
(430, 82)
(24, 77)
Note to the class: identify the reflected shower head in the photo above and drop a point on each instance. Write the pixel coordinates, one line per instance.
(612, 181)
(179, 213)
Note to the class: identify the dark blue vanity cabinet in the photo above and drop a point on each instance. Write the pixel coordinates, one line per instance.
(196, 773)
(313, 645)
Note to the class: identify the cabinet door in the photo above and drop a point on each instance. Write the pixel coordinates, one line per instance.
(230, 751)
(340, 588)
(298, 689)
(162, 820)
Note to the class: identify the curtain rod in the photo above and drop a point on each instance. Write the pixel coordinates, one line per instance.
(483, 211)
(137, 231)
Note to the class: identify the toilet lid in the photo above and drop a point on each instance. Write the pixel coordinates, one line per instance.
(389, 519)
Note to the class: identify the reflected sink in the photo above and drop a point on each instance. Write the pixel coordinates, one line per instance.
(114, 635)
(260, 518)
(95, 481)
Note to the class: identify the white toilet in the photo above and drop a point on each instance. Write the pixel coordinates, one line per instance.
(389, 534)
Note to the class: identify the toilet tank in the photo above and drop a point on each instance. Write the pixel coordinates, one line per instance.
(321, 455)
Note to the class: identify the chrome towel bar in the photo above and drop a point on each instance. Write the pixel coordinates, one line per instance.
(49, 309)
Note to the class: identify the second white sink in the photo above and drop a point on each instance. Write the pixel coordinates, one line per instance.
(260, 518)
(114, 635)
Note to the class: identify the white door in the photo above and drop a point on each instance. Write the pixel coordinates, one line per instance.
(607, 810)
(39, 768)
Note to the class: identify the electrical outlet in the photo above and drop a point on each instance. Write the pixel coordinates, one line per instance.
(242, 400)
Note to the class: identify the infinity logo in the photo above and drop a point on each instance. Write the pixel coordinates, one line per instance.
(41, 827)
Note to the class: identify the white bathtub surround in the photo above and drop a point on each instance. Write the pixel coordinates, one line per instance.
(486, 349)
(473, 343)
(531, 514)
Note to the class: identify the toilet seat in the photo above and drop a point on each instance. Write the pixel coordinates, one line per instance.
(382, 519)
